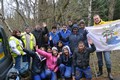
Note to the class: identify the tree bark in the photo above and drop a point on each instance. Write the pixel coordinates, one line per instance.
(111, 9)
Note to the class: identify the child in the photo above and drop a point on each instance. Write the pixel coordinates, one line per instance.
(65, 61)
(38, 72)
(51, 62)
(81, 61)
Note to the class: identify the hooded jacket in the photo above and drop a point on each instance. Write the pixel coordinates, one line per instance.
(66, 60)
(74, 38)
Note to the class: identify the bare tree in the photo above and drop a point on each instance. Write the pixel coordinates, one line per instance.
(89, 12)
(111, 9)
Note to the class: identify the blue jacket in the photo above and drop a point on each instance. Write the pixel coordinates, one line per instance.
(64, 36)
(74, 39)
(55, 38)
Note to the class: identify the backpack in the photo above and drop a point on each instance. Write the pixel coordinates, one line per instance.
(13, 74)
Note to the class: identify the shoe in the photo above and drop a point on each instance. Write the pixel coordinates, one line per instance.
(100, 72)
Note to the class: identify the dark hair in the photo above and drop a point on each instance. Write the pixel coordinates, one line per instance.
(64, 25)
(54, 27)
(14, 33)
(81, 42)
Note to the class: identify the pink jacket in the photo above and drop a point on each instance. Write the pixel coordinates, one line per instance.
(51, 61)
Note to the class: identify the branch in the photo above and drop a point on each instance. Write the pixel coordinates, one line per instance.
(22, 17)
(4, 21)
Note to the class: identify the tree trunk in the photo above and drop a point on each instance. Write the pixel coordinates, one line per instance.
(2, 7)
(89, 12)
(42, 7)
(111, 9)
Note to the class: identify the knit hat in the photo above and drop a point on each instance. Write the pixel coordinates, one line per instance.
(54, 48)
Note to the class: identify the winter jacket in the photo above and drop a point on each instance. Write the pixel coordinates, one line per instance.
(39, 36)
(55, 38)
(51, 61)
(74, 39)
(66, 60)
(37, 64)
(81, 59)
(64, 36)
(83, 32)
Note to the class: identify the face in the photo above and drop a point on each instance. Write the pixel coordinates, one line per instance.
(18, 33)
(75, 30)
(37, 27)
(54, 30)
(97, 19)
(55, 52)
(82, 25)
(60, 44)
(27, 30)
(42, 48)
(69, 22)
(65, 51)
(81, 46)
(64, 27)
(49, 50)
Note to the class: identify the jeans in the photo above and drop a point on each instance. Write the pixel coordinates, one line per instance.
(106, 57)
(79, 72)
(40, 76)
(18, 62)
(65, 71)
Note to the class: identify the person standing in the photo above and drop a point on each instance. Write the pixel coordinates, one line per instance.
(83, 32)
(53, 35)
(74, 38)
(40, 32)
(64, 34)
(16, 45)
(99, 21)
(29, 43)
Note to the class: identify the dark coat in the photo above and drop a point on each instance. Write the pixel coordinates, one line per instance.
(37, 65)
(39, 36)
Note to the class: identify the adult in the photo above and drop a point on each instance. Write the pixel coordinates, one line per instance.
(83, 32)
(74, 38)
(70, 24)
(53, 35)
(40, 32)
(16, 45)
(99, 21)
(64, 34)
(29, 43)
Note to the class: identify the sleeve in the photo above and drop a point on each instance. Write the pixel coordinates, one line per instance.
(73, 63)
(45, 30)
(92, 48)
(43, 53)
(14, 47)
(30, 53)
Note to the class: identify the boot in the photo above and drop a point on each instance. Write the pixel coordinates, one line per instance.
(109, 74)
(100, 72)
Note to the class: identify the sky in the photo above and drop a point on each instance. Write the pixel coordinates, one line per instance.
(9, 6)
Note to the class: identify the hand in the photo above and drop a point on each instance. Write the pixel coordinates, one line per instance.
(50, 38)
(90, 41)
(24, 53)
(73, 78)
(44, 24)
(36, 47)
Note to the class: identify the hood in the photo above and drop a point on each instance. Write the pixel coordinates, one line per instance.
(70, 53)
(75, 26)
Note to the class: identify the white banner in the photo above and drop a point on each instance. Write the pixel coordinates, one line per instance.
(106, 37)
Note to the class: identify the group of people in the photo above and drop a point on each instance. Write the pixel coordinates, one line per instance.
(65, 51)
